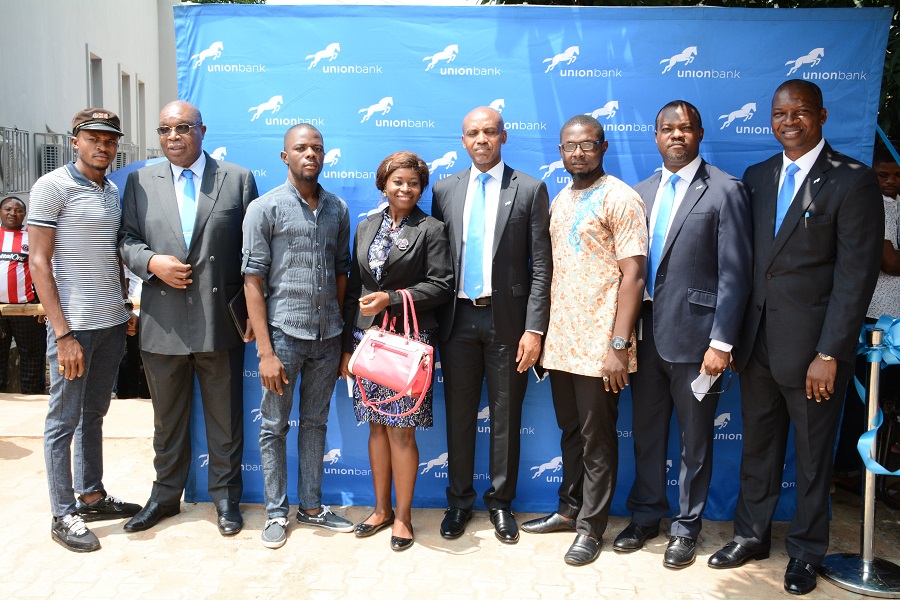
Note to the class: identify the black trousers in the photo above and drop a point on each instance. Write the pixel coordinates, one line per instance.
(590, 452)
(171, 380)
(31, 341)
(470, 356)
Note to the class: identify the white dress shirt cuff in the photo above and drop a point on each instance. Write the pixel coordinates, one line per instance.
(720, 346)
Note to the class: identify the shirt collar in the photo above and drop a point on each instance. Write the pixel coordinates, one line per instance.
(198, 167)
(496, 172)
(79, 177)
(686, 173)
(806, 161)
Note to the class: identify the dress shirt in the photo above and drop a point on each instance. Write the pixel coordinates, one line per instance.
(804, 163)
(491, 202)
(197, 168)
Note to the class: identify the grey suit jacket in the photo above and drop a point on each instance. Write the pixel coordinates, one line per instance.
(703, 279)
(815, 278)
(522, 264)
(420, 265)
(196, 319)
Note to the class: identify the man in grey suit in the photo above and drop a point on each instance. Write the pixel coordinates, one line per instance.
(815, 264)
(502, 268)
(697, 288)
(181, 234)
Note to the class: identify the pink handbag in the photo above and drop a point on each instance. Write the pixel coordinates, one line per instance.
(395, 361)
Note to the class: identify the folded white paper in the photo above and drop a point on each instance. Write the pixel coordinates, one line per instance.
(702, 384)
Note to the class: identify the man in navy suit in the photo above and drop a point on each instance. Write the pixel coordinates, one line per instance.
(816, 256)
(697, 287)
(502, 267)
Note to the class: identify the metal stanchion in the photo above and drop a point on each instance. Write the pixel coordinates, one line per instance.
(863, 573)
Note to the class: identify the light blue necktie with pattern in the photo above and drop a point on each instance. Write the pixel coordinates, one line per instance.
(188, 206)
(473, 275)
(658, 241)
(785, 194)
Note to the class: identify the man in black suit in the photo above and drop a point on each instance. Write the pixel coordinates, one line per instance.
(502, 267)
(697, 289)
(815, 264)
(181, 234)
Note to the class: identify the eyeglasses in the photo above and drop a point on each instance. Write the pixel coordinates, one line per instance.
(586, 146)
(728, 378)
(180, 129)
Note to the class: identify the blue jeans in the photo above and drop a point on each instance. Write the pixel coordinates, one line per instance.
(76, 410)
(316, 362)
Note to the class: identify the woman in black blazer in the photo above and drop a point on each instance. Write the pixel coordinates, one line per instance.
(398, 248)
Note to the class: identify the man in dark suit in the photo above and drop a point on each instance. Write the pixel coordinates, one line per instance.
(181, 234)
(697, 289)
(815, 264)
(497, 219)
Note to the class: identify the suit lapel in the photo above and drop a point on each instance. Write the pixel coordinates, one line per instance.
(504, 207)
(695, 191)
(458, 206)
(805, 195)
(165, 192)
(409, 235)
(365, 236)
(209, 193)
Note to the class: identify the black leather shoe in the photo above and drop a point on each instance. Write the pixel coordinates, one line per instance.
(505, 528)
(363, 530)
(230, 520)
(734, 555)
(634, 536)
(150, 515)
(799, 577)
(552, 522)
(399, 544)
(454, 523)
(583, 551)
(680, 553)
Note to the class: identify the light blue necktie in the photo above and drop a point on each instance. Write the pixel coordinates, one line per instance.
(658, 241)
(473, 276)
(188, 206)
(785, 194)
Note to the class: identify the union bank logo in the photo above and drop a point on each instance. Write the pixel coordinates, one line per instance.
(272, 106)
(330, 52)
(332, 456)
(438, 464)
(721, 424)
(327, 55)
(569, 56)
(383, 107)
(204, 460)
(807, 64)
(608, 110)
(209, 55)
(332, 157)
(551, 168)
(213, 53)
(219, 153)
(554, 465)
(446, 162)
(612, 123)
(675, 64)
(439, 62)
(741, 116)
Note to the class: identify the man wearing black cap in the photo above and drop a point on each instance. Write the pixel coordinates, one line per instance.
(72, 228)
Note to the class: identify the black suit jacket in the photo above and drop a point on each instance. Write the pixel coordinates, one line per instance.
(815, 278)
(703, 279)
(421, 265)
(522, 264)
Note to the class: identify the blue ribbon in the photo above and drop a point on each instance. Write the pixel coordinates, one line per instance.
(887, 353)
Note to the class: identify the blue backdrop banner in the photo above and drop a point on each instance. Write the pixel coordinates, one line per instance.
(375, 80)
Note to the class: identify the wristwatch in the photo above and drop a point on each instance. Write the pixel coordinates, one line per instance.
(620, 343)
(825, 357)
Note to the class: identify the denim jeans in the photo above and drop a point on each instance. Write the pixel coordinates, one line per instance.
(76, 410)
(316, 362)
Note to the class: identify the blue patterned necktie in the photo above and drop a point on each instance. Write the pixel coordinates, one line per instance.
(785, 194)
(188, 206)
(658, 241)
(473, 275)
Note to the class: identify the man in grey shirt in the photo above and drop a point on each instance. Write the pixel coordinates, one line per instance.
(296, 260)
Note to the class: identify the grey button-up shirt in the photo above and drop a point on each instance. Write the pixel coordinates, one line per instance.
(298, 254)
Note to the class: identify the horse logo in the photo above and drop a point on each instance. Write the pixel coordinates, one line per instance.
(332, 456)
(608, 110)
(557, 164)
(257, 415)
(746, 113)
(553, 466)
(446, 161)
(330, 52)
(435, 463)
(332, 156)
(213, 52)
(812, 59)
(378, 209)
(274, 104)
(484, 414)
(722, 420)
(568, 57)
(204, 460)
(449, 54)
(499, 104)
(668, 465)
(384, 105)
(687, 57)
(218, 153)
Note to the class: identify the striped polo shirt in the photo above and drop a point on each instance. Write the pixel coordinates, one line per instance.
(15, 277)
(86, 218)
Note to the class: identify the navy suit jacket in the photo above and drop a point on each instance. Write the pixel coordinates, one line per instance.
(814, 280)
(521, 265)
(703, 280)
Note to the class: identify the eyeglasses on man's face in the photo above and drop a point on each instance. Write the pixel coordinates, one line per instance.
(585, 146)
(180, 129)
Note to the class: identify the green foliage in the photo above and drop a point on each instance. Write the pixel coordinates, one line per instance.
(889, 107)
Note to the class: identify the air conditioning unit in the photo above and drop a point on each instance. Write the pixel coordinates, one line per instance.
(52, 157)
(121, 161)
